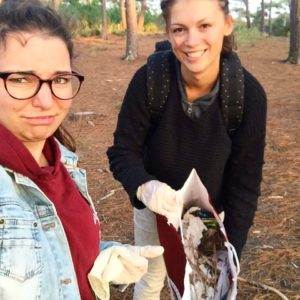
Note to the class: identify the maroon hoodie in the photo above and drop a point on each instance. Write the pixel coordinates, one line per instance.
(81, 227)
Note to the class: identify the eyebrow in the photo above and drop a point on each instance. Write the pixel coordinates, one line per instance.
(34, 73)
(198, 22)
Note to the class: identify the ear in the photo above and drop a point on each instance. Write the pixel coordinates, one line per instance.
(228, 29)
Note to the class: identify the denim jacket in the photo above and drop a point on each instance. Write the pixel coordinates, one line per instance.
(35, 259)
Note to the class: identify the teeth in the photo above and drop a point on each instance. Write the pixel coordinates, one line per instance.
(195, 54)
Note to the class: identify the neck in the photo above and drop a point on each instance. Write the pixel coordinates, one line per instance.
(36, 150)
(198, 84)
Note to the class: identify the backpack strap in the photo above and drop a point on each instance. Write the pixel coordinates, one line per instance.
(163, 45)
(232, 85)
(158, 81)
(232, 91)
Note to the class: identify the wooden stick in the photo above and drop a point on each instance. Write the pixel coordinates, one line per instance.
(109, 194)
(263, 286)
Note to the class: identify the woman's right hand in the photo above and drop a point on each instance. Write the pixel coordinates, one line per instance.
(160, 198)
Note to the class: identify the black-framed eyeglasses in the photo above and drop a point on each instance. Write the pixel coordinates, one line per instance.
(23, 85)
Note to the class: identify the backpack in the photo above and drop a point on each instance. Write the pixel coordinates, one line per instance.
(231, 87)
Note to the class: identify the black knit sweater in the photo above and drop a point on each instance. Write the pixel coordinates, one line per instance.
(229, 167)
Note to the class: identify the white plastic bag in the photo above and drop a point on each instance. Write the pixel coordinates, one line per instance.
(199, 277)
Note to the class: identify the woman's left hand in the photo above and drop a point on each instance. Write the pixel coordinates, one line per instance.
(120, 265)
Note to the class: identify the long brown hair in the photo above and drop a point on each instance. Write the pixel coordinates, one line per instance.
(228, 42)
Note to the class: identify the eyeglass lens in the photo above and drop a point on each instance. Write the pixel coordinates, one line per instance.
(23, 86)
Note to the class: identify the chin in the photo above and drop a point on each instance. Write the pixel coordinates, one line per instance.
(194, 69)
(39, 137)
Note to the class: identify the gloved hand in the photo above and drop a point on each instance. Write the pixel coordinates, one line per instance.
(120, 265)
(160, 198)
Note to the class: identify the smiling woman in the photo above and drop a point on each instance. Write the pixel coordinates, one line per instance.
(196, 30)
(49, 229)
(154, 150)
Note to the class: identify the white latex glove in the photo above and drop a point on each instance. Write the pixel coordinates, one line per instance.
(120, 265)
(160, 198)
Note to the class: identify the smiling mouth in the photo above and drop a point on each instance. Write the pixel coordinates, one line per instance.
(195, 54)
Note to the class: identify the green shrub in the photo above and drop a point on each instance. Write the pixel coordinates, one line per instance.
(152, 27)
(82, 19)
(281, 25)
(150, 16)
(116, 28)
(245, 35)
(113, 14)
(85, 19)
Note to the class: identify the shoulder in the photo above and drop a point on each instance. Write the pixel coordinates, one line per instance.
(161, 62)
(255, 107)
(137, 87)
(254, 94)
(157, 63)
(140, 76)
(68, 158)
(136, 93)
(7, 186)
(253, 86)
(4, 175)
(70, 161)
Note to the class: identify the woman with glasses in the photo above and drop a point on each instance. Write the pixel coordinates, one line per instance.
(49, 229)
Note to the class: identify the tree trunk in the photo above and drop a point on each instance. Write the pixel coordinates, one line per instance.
(270, 17)
(56, 4)
(131, 32)
(294, 52)
(246, 2)
(141, 16)
(123, 14)
(104, 30)
(262, 17)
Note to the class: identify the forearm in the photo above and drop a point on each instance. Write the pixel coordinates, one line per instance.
(238, 220)
(130, 171)
(242, 189)
(126, 154)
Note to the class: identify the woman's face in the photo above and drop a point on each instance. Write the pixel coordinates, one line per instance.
(196, 30)
(36, 118)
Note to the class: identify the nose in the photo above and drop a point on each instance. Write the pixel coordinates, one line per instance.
(193, 38)
(44, 97)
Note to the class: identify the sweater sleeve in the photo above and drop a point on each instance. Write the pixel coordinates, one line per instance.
(126, 154)
(243, 173)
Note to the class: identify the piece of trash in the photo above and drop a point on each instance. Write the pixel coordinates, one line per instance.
(295, 265)
(79, 115)
(84, 113)
(275, 197)
(91, 123)
(206, 252)
(109, 194)
(267, 247)
(104, 170)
